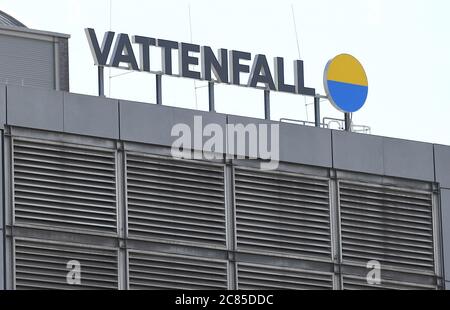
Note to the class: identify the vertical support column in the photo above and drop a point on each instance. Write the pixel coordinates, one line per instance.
(267, 104)
(159, 89)
(212, 105)
(101, 81)
(122, 215)
(7, 160)
(335, 229)
(317, 111)
(230, 218)
(348, 122)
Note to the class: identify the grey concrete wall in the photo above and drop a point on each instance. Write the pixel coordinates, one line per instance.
(35, 108)
(442, 165)
(153, 124)
(383, 156)
(84, 116)
(297, 144)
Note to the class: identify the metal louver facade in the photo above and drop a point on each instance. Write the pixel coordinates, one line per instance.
(282, 213)
(259, 277)
(44, 265)
(64, 186)
(135, 218)
(162, 271)
(170, 199)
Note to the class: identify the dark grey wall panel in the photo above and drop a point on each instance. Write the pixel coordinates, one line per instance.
(149, 123)
(63, 60)
(408, 159)
(92, 116)
(442, 165)
(35, 108)
(357, 152)
(27, 62)
(445, 210)
(2, 106)
(305, 145)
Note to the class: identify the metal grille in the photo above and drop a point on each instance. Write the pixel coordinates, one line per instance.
(391, 226)
(58, 185)
(282, 213)
(176, 200)
(163, 271)
(43, 265)
(27, 62)
(259, 277)
(360, 283)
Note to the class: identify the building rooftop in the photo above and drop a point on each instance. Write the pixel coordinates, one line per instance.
(8, 20)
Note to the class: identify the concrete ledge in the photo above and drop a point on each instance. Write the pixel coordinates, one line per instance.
(357, 152)
(305, 145)
(35, 108)
(91, 116)
(442, 165)
(153, 124)
(408, 159)
(383, 156)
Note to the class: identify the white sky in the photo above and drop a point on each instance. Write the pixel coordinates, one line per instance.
(403, 45)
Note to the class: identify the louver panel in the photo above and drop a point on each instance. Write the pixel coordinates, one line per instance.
(359, 283)
(64, 186)
(282, 213)
(259, 277)
(164, 271)
(44, 265)
(392, 226)
(176, 200)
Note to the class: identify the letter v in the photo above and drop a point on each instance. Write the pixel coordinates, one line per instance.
(100, 54)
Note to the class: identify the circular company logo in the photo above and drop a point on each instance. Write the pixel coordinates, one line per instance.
(346, 83)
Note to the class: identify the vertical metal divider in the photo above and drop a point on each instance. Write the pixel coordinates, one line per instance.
(437, 237)
(230, 224)
(121, 216)
(9, 238)
(336, 250)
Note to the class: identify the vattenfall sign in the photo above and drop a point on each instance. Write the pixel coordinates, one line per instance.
(226, 67)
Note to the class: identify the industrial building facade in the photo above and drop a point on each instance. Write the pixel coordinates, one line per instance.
(91, 180)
